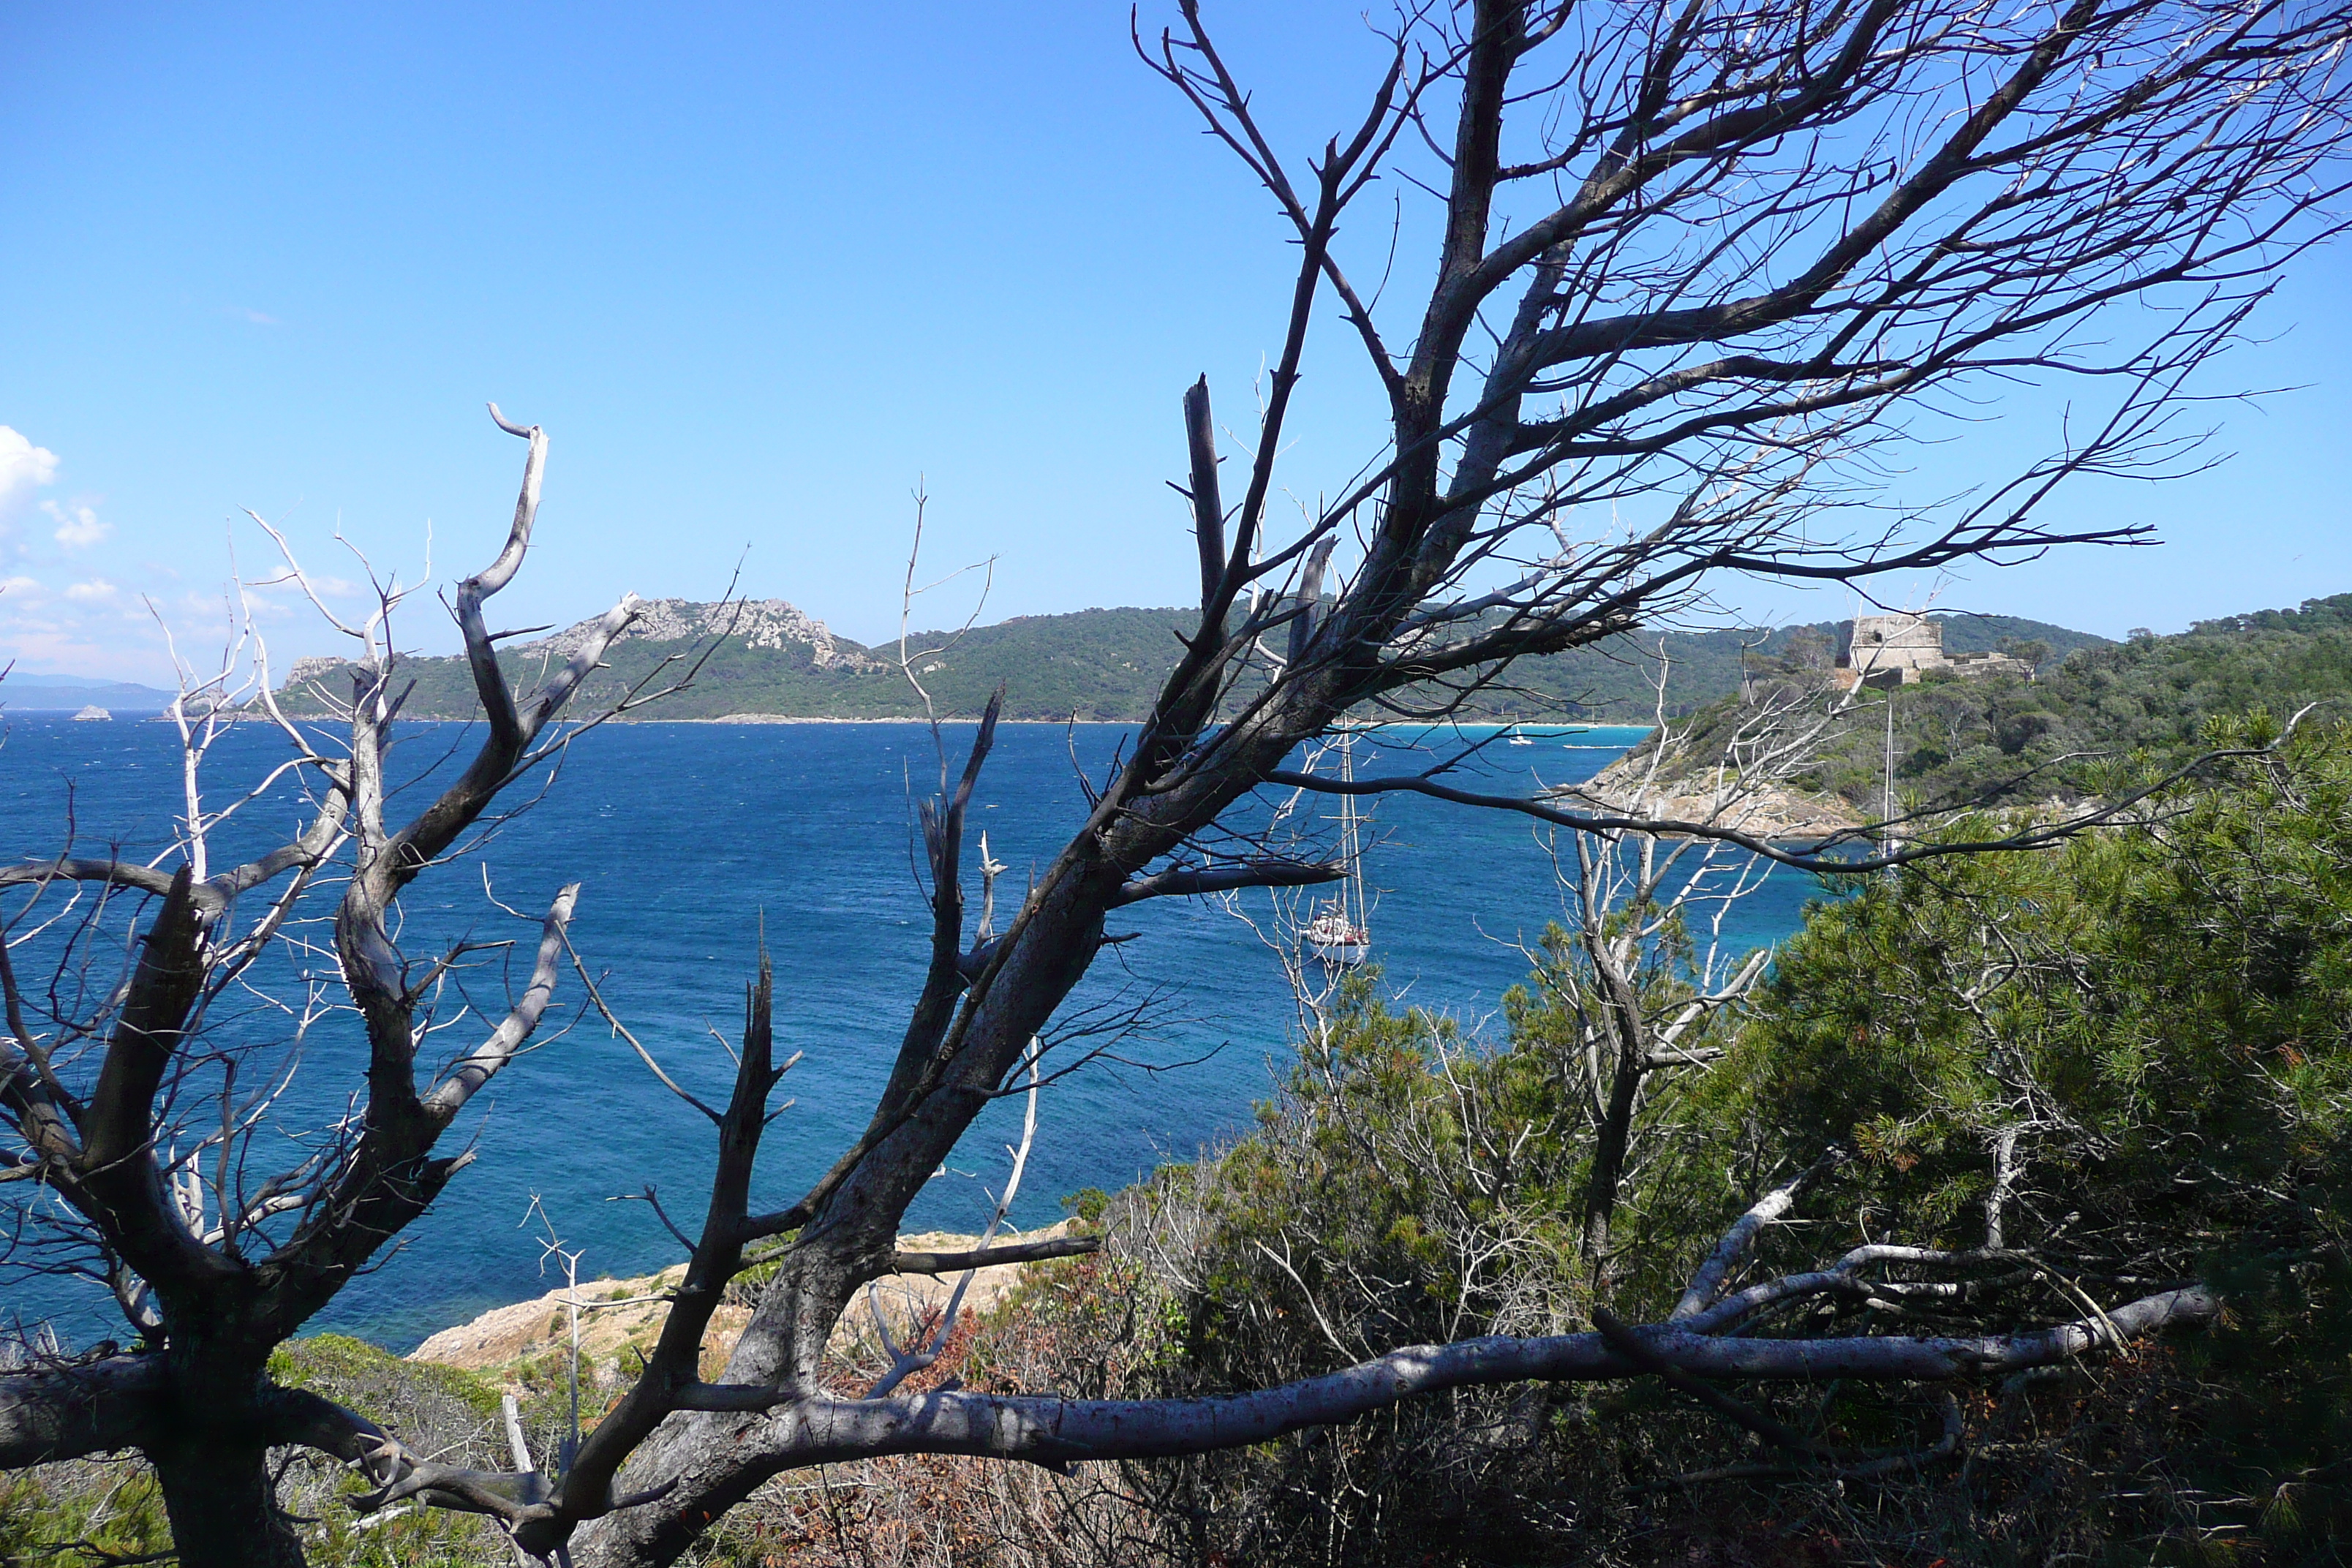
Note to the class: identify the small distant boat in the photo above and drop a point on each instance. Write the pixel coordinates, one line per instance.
(1338, 935)
(91, 715)
(1517, 738)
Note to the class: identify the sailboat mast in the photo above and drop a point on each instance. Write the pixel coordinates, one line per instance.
(1337, 934)
(1347, 839)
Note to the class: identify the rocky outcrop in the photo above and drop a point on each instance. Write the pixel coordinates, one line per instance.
(306, 670)
(762, 622)
(627, 1314)
(1766, 811)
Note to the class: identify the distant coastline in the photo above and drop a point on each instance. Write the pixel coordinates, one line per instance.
(774, 664)
(1540, 728)
(768, 663)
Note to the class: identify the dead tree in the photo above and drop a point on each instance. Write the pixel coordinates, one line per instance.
(1639, 1003)
(1699, 268)
(110, 1082)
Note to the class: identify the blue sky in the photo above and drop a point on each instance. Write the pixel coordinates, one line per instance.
(760, 271)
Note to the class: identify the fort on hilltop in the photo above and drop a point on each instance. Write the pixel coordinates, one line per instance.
(1899, 649)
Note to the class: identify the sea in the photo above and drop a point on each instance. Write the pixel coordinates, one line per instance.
(694, 845)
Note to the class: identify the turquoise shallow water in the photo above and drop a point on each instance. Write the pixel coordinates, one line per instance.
(686, 838)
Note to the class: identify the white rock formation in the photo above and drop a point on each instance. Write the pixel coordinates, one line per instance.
(763, 623)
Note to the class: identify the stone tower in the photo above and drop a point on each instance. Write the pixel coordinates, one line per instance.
(1896, 650)
(1890, 651)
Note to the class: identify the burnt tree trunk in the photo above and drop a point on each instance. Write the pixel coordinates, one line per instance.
(210, 1445)
(222, 1501)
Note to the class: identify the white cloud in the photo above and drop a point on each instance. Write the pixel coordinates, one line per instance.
(93, 627)
(23, 466)
(77, 526)
(98, 642)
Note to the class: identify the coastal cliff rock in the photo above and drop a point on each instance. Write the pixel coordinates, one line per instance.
(1772, 811)
(760, 622)
(505, 1343)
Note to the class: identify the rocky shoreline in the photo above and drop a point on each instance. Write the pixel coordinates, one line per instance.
(1771, 811)
(506, 1344)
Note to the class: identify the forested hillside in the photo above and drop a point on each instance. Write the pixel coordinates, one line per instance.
(2031, 739)
(1107, 665)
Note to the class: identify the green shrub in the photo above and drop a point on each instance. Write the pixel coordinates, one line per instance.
(2157, 1022)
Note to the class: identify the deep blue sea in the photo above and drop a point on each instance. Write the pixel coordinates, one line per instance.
(690, 839)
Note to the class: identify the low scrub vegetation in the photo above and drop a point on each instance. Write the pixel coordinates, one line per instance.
(102, 1510)
(2120, 1063)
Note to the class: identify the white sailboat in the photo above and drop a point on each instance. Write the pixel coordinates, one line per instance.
(1337, 936)
(1517, 738)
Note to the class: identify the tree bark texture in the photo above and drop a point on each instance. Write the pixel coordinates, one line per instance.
(223, 1510)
